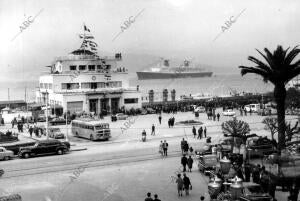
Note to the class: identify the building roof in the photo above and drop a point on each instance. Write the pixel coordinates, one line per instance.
(12, 102)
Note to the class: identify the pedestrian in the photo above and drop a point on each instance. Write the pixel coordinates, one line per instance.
(191, 150)
(186, 148)
(165, 148)
(219, 152)
(179, 182)
(156, 198)
(205, 131)
(218, 116)
(148, 198)
(190, 162)
(159, 119)
(184, 162)
(247, 170)
(169, 123)
(245, 112)
(214, 117)
(187, 184)
(160, 149)
(182, 145)
(153, 130)
(250, 111)
(12, 123)
(194, 131)
(30, 131)
(255, 174)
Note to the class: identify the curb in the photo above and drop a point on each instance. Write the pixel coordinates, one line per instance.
(79, 149)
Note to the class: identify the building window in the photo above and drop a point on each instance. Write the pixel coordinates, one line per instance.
(108, 67)
(131, 100)
(82, 67)
(41, 85)
(85, 85)
(99, 67)
(91, 67)
(50, 86)
(70, 86)
(94, 85)
(73, 67)
(46, 85)
(100, 84)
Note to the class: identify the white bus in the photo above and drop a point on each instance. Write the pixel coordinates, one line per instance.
(253, 107)
(91, 129)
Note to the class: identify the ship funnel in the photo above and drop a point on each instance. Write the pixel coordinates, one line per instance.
(166, 63)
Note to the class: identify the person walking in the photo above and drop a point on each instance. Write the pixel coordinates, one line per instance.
(165, 148)
(205, 131)
(160, 149)
(153, 130)
(194, 131)
(186, 148)
(190, 162)
(191, 150)
(156, 198)
(159, 119)
(214, 117)
(184, 162)
(218, 116)
(247, 170)
(30, 131)
(148, 198)
(187, 184)
(182, 145)
(179, 182)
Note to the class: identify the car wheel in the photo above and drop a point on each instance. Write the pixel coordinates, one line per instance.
(60, 152)
(26, 155)
(6, 158)
(91, 137)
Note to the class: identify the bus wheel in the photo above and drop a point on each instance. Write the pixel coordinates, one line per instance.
(91, 137)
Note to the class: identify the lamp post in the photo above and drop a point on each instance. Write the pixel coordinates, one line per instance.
(47, 115)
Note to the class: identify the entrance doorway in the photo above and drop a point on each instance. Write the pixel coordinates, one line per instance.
(104, 106)
(93, 105)
(115, 105)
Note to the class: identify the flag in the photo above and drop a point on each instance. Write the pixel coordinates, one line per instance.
(86, 29)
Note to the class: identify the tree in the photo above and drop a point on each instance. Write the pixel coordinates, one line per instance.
(279, 70)
(291, 131)
(237, 129)
(271, 125)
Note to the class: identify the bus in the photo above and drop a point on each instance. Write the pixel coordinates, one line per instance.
(91, 129)
(252, 107)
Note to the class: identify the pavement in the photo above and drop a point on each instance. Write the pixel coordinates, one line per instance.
(130, 181)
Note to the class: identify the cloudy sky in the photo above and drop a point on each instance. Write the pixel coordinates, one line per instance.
(168, 28)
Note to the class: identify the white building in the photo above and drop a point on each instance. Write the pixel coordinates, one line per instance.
(84, 81)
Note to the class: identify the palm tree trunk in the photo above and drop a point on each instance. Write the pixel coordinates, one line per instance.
(279, 95)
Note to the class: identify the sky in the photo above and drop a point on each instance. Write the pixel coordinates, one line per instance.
(165, 28)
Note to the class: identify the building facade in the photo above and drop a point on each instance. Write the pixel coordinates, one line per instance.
(86, 82)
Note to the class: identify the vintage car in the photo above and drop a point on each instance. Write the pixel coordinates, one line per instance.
(6, 154)
(44, 147)
(229, 113)
(207, 162)
(254, 192)
(121, 116)
(207, 149)
(59, 121)
(56, 133)
(199, 109)
(260, 146)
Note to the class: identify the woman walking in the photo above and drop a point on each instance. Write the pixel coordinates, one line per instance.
(179, 182)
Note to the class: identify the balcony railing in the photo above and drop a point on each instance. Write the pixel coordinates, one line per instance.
(98, 90)
(85, 57)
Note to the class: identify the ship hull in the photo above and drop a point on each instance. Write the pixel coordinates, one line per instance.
(160, 75)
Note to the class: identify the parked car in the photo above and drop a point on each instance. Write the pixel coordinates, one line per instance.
(15, 147)
(143, 112)
(121, 116)
(207, 149)
(150, 110)
(252, 107)
(260, 146)
(44, 147)
(229, 113)
(59, 121)
(199, 109)
(207, 162)
(56, 133)
(254, 192)
(6, 154)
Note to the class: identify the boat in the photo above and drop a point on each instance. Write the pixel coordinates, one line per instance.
(164, 71)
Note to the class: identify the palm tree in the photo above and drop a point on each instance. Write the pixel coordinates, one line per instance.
(279, 70)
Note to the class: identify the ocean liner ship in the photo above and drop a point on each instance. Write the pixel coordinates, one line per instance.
(164, 71)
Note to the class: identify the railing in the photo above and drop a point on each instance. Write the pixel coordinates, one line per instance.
(100, 90)
(86, 57)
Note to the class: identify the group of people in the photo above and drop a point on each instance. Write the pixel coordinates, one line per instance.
(149, 198)
(201, 132)
(183, 184)
(163, 148)
(171, 122)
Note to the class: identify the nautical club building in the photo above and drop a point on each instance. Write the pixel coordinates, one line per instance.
(84, 81)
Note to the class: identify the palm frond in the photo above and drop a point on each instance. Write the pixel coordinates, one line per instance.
(291, 55)
(260, 64)
(268, 59)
